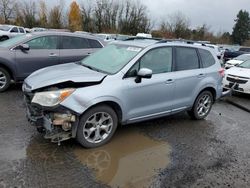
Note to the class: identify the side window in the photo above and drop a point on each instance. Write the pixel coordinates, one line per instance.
(206, 58)
(45, 42)
(159, 60)
(21, 30)
(186, 59)
(94, 43)
(69, 42)
(14, 30)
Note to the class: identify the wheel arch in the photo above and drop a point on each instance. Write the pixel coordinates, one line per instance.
(212, 90)
(114, 105)
(8, 69)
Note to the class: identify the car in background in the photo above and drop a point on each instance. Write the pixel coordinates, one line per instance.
(237, 60)
(106, 37)
(239, 74)
(9, 31)
(145, 35)
(216, 49)
(38, 29)
(22, 55)
(245, 49)
(125, 82)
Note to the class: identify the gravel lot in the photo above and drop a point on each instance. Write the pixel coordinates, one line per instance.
(169, 152)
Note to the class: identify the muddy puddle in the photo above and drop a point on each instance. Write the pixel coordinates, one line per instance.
(131, 159)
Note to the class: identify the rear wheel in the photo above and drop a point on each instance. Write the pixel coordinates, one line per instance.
(97, 126)
(4, 79)
(202, 105)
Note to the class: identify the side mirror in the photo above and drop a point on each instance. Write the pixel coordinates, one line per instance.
(143, 73)
(24, 47)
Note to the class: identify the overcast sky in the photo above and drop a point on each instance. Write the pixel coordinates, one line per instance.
(219, 15)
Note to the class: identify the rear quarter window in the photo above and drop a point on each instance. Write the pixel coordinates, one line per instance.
(94, 43)
(206, 58)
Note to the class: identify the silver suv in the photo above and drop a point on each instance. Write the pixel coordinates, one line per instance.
(123, 83)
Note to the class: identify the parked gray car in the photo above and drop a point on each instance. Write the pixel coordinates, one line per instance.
(22, 55)
(125, 82)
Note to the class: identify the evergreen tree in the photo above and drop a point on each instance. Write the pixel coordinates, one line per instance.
(241, 28)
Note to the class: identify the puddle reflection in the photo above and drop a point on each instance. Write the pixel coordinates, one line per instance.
(131, 159)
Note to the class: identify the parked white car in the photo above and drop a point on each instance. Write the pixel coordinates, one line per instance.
(237, 60)
(239, 74)
(146, 35)
(9, 31)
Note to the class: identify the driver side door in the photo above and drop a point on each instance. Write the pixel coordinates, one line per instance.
(43, 52)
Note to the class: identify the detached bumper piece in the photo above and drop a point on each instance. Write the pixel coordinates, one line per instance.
(230, 90)
(57, 124)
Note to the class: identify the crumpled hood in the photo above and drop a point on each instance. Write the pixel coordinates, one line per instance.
(62, 73)
(237, 71)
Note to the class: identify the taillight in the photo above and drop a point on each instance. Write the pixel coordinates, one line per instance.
(222, 72)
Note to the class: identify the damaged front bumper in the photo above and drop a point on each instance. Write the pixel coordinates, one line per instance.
(57, 123)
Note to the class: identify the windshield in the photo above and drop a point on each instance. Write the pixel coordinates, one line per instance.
(111, 58)
(5, 27)
(243, 57)
(245, 64)
(12, 41)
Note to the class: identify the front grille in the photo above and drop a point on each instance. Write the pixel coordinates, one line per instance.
(236, 80)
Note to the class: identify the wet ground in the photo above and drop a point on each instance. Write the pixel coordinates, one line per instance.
(169, 152)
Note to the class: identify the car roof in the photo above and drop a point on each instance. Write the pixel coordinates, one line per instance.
(59, 33)
(145, 42)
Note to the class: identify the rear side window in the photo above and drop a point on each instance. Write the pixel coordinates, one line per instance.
(69, 42)
(206, 58)
(94, 43)
(21, 30)
(186, 59)
(14, 30)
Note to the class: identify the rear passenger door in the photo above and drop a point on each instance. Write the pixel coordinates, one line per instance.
(188, 76)
(74, 49)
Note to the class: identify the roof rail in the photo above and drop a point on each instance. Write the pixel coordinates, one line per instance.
(142, 38)
(182, 41)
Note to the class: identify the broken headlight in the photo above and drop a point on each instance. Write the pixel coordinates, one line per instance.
(51, 98)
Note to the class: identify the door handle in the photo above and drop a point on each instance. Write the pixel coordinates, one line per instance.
(201, 75)
(169, 81)
(52, 55)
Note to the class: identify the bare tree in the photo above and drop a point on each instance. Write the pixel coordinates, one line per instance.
(7, 8)
(28, 11)
(55, 17)
(176, 26)
(87, 14)
(43, 14)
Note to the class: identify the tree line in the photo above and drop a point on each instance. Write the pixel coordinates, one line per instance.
(110, 16)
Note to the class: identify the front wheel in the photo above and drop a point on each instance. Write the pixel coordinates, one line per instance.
(202, 105)
(97, 126)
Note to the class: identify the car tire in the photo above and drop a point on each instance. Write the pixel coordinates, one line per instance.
(4, 79)
(4, 38)
(97, 126)
(202, 105)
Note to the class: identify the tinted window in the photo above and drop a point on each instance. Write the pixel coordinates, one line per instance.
(158, 60)
(21, 30)
(14, 30)
(206, 58)
(94, 43)
(74, 43)
(186, 59)
(46, 42)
